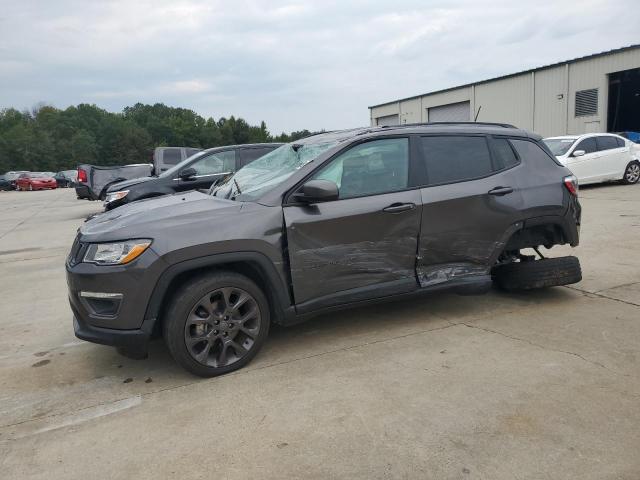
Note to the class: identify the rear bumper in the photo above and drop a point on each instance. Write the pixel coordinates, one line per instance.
(83, 191)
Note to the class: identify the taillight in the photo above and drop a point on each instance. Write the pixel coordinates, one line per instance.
(571, 182)
(82, 176)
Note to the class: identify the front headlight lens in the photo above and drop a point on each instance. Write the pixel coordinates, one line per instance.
(116, 253)
(113, 196)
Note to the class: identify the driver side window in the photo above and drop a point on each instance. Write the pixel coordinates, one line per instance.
(220, 162)
(379, 166)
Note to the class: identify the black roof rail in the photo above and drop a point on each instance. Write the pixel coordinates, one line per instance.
(427, 124)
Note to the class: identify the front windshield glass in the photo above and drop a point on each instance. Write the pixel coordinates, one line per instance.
(269, 171)
(559, 146)
(173, 171)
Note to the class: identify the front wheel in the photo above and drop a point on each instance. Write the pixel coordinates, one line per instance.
(216, 323)
(631, 173)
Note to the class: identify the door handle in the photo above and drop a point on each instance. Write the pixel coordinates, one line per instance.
(399, 207)
(499, 191)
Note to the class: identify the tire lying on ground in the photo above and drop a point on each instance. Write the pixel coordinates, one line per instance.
(547, 272)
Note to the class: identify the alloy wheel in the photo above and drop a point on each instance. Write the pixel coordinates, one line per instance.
(632, 175)
(222, 327)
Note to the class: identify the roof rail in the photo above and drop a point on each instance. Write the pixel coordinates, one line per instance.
(427, 124)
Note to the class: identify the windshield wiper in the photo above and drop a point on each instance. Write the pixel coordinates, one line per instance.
(237, 186)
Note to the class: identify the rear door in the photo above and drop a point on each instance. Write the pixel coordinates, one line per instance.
(471, 205)
(362, 245)
(614, 157)
(587, 167)
(208, 169)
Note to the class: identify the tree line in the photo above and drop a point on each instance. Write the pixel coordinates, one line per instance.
(50, 139)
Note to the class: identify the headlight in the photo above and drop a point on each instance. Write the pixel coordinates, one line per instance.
(116, 253)
(113, 196)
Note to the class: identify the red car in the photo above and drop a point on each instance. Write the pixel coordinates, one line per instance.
(35, 181)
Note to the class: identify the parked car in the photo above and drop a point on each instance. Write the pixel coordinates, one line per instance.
(35, 181)
(13, 176)
(5, 184)
(66, 178)
(93, 181)
(597, 157)
(198, 171)
(331, 221)
(165, 158)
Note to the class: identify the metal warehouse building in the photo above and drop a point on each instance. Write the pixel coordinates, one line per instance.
(596, 93)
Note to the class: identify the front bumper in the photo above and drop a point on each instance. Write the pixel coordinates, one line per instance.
(133, 343)
(119, 320)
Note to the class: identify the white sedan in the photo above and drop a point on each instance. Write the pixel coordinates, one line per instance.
(597, 157)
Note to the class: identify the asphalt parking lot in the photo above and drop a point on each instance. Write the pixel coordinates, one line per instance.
(542, 385)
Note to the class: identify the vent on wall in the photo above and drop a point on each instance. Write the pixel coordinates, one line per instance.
(587, 102)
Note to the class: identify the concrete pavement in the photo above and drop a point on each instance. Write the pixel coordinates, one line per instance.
(541, 385)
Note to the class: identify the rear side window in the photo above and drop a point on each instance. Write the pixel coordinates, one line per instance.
(171, 156)
(456, 159)
(588, 145)
(532, 152)
(505, 155)
(606, 143)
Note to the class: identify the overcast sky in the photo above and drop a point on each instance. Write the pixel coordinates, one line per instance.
(292, 64)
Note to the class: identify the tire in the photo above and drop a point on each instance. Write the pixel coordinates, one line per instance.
(204, 320)
(548, 272)
(631, 173)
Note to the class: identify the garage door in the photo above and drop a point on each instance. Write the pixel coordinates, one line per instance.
(454, 112)
(388, 120)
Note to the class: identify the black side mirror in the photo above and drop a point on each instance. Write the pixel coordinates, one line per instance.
(317, 191)
(188, 174)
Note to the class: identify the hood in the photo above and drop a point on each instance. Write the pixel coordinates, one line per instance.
(129, 183)
(151, 217)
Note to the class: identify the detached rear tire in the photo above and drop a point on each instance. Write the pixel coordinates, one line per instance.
(216, 323)
(547, 272)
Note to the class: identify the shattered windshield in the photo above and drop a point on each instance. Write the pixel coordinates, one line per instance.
(269, 171)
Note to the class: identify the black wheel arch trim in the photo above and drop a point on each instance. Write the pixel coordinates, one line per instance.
(279, 291)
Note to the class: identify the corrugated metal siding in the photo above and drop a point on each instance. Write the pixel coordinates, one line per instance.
(533, 106)
(593, 74)
(550, 115)
(507, 101)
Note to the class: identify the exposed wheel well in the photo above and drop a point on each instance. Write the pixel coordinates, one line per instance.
(249, 269)
(547, 235)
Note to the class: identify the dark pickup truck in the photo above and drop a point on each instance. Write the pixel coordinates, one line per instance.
(93, 181)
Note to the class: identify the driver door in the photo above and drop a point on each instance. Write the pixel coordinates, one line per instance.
(586, 167)
(364, 244)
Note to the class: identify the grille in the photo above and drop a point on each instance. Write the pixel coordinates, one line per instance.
(587, 102)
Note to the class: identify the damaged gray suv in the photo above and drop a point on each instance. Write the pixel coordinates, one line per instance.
(331, 221)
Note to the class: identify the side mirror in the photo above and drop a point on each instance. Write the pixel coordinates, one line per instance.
(188, 174)
(317, 191)
(578, 153)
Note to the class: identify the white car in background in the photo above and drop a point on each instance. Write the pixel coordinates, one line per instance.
(597, 157)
